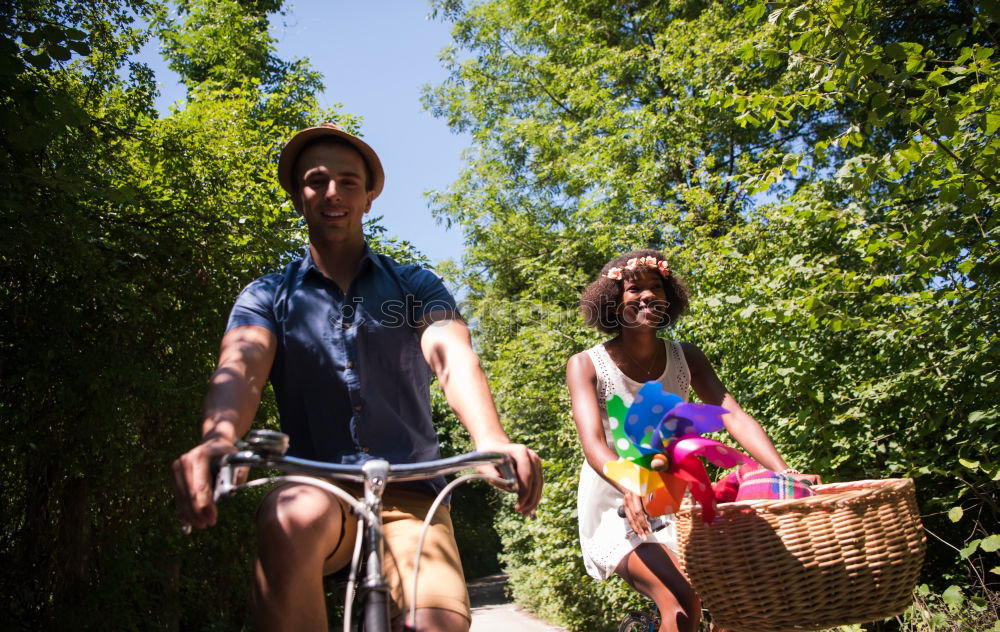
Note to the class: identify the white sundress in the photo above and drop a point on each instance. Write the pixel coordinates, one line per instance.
(603, 536)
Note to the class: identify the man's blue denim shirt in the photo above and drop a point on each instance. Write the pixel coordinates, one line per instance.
(350, 379)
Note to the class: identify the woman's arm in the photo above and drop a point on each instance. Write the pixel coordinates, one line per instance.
(744, 428)
(581, 379)
(582, 382)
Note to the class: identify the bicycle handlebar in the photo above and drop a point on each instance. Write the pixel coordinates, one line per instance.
(354, 473)
(655, 522)
(265, 449)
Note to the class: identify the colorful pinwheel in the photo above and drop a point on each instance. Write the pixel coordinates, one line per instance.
(658, 441)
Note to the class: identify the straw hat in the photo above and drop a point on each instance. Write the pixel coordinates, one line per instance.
(294, 147)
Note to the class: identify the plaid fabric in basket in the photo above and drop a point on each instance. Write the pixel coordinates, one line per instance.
(753, 481)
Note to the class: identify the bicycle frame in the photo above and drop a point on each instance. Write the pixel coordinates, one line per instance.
(266, 449)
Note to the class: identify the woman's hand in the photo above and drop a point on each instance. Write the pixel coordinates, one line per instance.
(812, 479)
(635, 513)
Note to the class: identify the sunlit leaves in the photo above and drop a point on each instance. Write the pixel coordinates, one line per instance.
(822, 173)
(123, 239)
(940, 95)
(991, 544)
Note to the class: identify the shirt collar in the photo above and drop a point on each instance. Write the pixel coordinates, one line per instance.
(368, 258)
(374, 258)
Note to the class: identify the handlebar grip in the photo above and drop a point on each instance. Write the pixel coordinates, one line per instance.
(655, 522)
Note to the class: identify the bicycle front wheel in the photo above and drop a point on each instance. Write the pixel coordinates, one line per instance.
(636, 621)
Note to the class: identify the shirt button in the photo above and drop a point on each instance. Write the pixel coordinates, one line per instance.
(358, 407)
(350, 364)
(347, 325)
(364, 449)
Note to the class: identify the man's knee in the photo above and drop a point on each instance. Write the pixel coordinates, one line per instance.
(301, 515)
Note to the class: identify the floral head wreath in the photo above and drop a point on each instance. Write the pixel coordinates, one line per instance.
(631, 265)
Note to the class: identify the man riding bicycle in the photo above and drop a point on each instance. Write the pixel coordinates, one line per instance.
(348, 339)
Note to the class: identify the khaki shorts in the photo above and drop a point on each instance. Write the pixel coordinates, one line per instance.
(441, 582)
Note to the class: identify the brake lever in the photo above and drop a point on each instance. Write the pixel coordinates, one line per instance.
(223, 478)
(263, 444)
(507, 472)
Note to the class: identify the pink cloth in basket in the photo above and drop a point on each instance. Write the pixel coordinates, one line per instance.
(753, 481)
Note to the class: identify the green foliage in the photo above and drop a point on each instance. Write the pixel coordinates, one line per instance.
(474, 505)
(861, 367)
(401, 250)
(821, 173)
(225, 45)
(951, 611)
(123, 240)
(896, 253)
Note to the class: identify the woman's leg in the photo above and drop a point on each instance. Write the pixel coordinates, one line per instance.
(652, 570)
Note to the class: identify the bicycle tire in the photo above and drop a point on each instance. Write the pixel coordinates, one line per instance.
(706, 625)
(635, 621)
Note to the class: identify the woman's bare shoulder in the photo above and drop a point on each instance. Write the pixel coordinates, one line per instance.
(692, 352)
(579, 364)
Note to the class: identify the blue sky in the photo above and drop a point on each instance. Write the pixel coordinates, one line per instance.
(374, 57)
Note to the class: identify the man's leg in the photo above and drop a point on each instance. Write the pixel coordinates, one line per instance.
(302, 532)
(442, 598)
(438, 619)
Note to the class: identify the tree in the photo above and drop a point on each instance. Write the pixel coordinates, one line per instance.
(592, 136)
(124, 238)
(906, 265)
(857, 305)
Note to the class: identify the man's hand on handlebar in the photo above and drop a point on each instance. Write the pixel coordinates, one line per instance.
(194, 479)
(527, 469)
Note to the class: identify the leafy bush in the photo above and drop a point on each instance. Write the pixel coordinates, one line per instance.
(123, 243)
(822, 174)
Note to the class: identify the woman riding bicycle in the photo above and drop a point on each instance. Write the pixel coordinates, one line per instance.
(636, 296)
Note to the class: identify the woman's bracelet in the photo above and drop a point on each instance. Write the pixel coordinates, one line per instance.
(788, 470)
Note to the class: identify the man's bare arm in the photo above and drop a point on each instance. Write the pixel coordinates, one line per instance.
(233, 396)
(447, 347)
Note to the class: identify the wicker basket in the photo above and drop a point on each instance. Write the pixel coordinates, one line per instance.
(850, 554)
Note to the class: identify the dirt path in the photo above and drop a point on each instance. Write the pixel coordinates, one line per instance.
(493, 612)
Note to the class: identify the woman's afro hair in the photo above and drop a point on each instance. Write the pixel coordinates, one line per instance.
(600, 300)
